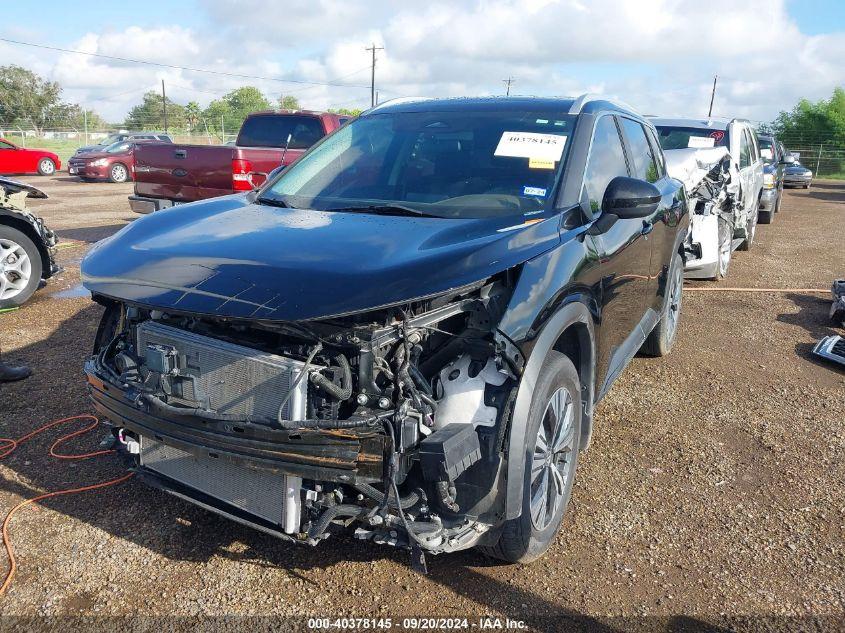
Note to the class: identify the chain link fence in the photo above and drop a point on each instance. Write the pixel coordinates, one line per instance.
(826, 159)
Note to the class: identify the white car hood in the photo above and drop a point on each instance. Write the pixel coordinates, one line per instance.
(690, 165)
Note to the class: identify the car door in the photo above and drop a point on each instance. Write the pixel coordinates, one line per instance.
(746, 177)
(661, 228)
(7, 158)
(757, 167)
(624, 250)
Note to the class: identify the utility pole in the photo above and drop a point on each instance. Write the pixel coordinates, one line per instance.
(712, 96)
(222, 131)
(373, 48)
(85, 120)
(508, 82)
(164, 102)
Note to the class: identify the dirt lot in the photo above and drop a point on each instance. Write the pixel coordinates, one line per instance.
(713, 487)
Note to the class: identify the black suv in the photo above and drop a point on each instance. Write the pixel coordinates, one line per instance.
(406, 331)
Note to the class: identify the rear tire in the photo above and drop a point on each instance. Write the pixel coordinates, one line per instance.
(46, 167)
(20, 267)
(552, 440)
(662, 337)
(766, 217)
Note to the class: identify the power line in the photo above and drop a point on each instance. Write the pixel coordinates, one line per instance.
(178, 67)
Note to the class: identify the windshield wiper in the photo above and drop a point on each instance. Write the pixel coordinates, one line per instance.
(386, 209)
(274, 202)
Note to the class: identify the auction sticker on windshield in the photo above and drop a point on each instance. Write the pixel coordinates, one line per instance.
(700, 142)
(531, 145)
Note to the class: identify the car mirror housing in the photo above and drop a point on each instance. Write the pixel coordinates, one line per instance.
(630, 198)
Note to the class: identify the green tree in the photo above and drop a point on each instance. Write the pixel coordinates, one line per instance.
(228, 113)
(149, 114)
(819, 122)
(26, 98)
(289, 102)
(193, 115)
(347, 111)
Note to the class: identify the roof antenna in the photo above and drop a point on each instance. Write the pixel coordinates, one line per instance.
(285, 151)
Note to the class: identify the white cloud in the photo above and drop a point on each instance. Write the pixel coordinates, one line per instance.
(659, 55)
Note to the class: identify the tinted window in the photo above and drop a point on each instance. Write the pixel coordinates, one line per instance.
(641, 155)
(656, 152)
(744, 150)
(272, 131)
(606, 162)
(672, 137)
(466, 163)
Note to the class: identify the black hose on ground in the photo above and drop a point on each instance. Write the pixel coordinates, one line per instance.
(330, 514)
(340, 393)
(405, 502)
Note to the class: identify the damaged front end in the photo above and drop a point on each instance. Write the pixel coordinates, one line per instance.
(391, 420)
(710, 181)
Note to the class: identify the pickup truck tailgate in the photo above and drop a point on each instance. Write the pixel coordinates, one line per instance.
(183, 172)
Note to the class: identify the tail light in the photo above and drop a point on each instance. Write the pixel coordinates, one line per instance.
(241, 175)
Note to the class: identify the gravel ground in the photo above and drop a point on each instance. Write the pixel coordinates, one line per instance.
(713, 488)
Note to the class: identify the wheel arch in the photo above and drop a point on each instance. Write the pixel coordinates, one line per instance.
(27, 229)
(569, 331)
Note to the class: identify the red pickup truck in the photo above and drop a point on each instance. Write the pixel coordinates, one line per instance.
(169, 174)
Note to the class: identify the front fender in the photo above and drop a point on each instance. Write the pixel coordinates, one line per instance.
(568, 315)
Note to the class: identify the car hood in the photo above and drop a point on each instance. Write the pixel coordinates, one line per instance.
(89, 148)
(230, 257)
(796, 170)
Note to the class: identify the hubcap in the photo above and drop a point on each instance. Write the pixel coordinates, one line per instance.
(15, 269)
(551, 464)
(47, 167)
(676, 293)
(118, 172)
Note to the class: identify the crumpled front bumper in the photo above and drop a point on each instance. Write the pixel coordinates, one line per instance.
(341, 456)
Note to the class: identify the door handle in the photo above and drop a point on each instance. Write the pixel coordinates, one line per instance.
(648, 227)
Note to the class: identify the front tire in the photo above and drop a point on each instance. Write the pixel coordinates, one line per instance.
(118, 173)
(552, 440)
(46, 167)
(751, 231)
(662, 337)
(725, 230)
(20, 267)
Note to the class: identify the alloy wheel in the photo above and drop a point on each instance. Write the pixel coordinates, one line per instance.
(46, 167)
(553, 457)
(15, 269)
(118, 173)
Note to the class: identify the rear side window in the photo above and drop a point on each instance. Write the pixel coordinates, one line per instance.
(272, 131)
(606, 162)
(642, 158)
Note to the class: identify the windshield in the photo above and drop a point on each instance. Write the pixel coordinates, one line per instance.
(460, 164)
(112, 138)
(672, 137)
(117, 148)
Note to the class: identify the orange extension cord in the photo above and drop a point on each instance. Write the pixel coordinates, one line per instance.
(8, 446)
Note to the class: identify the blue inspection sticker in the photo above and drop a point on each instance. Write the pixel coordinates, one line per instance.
(534, 191)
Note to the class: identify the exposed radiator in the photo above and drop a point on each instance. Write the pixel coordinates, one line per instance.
(259, 492)
(222, 376)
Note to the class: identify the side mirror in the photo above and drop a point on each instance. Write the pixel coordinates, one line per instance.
(630, 198)
(788, 159)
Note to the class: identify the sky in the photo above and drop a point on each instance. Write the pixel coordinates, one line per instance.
(660, 56)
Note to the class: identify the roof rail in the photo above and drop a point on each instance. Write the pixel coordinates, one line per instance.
(587, 97)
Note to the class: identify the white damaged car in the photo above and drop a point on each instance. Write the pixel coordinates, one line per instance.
(719, 162)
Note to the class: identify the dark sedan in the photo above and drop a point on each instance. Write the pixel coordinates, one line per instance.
(796, 175)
